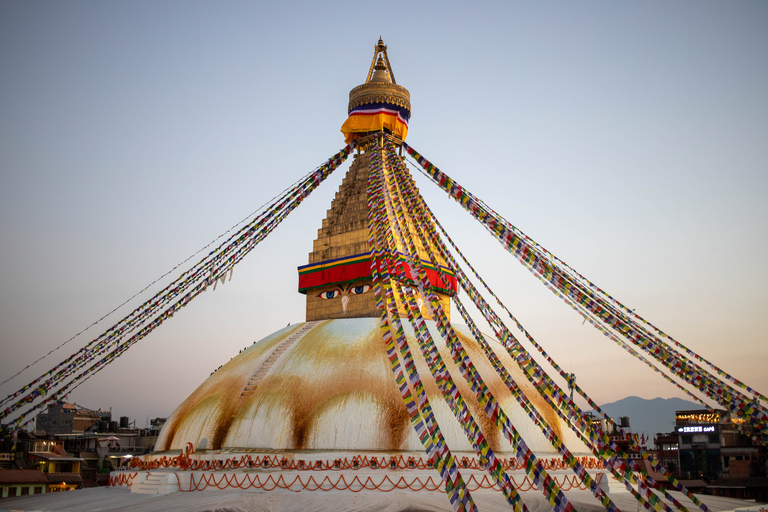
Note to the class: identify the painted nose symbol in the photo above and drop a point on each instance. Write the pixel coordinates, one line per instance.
(344, 302)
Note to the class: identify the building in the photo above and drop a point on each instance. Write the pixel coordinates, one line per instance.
(745, 464)
(61, 468)
(22, 482)
(743, 456)
(36, 466)
(699, 442)
(666, 451)
(619, 432)
(715, 447)
(148, 437)
(104, 451)
(81, 457)
(64, 418)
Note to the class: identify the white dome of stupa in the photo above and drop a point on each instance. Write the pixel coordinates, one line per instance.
(328, 386)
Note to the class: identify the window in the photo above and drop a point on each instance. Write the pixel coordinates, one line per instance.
(38, 489)
(687, 439)
(714, 438)
(25, 491)
(44, 446)
(11, 492)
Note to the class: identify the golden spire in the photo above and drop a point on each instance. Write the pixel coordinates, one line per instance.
(380, 51)
(380, 85)
(379, 103)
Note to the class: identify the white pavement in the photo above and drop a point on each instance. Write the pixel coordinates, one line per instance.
(116, 499)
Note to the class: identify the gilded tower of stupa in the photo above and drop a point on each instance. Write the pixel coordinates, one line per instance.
(337, 278)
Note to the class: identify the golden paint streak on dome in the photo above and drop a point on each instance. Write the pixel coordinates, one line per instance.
(333, 389)
(221, 384)
(310, 382)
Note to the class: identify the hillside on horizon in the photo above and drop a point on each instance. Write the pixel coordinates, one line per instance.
(648, 416)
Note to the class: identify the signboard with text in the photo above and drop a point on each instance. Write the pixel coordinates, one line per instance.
(697, 429)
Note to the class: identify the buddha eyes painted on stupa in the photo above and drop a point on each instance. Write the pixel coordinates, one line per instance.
(352, 289)
(344, 291)
(357, 290)
(330, 294)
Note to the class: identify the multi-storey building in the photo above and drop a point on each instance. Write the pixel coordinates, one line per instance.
(745, 464)
(666, 451)
(698, 433)
(63, 418)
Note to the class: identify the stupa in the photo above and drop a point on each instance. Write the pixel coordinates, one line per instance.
(318, 400)
(378, 395)
(326, 384)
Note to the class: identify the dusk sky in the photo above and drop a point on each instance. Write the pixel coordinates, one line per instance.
(628, 138)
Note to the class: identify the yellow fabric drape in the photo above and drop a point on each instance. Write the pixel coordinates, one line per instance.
(358, 123)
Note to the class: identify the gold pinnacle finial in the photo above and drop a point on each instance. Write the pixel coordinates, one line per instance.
(380, 73)
(380, 91)
(380, 51)
(380, 85)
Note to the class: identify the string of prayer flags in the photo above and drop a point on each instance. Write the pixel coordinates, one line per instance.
(595, 303)
(78, 367)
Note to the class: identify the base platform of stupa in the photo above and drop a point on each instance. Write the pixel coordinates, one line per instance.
(313, 470)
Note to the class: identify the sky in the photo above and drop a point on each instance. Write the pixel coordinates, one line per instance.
(628, 138)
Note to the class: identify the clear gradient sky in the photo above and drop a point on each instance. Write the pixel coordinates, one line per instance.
(629, 138)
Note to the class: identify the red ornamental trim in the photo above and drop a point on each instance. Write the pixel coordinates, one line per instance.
(184, 462)
(385, 483)
(357, 268)
(323, 475)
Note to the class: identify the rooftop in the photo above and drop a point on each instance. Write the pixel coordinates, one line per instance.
(22, 476)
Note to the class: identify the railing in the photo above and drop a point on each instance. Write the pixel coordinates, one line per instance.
(133, 450)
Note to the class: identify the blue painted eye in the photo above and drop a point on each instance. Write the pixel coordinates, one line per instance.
(330, 294)
(357, 290)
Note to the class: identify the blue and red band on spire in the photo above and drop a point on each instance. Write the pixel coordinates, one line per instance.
(372, 117)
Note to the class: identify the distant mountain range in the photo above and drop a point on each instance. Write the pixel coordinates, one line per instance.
(649, 417)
